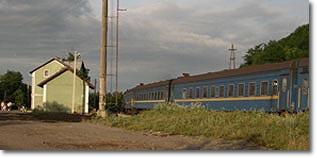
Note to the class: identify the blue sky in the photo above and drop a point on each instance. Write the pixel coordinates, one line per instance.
(160, 39)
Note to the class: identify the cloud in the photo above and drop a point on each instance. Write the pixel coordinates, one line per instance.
(158, 40)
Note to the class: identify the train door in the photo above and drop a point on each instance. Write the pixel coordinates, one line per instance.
(303, 102)
(284, 94)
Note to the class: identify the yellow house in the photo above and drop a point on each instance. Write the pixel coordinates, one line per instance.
(52, 83)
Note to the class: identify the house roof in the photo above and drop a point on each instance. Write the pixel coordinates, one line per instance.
(66, 68)
(225, 73)
(55, 58)
(41, 84)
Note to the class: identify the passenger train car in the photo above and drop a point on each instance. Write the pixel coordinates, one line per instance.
(268, 88)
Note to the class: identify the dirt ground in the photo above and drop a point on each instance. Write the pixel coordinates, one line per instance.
(25, 131)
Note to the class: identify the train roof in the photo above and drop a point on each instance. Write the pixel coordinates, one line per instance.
(224, 73)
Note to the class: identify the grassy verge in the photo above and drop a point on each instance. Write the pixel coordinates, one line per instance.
(287, 132)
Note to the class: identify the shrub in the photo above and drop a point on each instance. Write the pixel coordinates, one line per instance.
(287, 132)
(53, 107)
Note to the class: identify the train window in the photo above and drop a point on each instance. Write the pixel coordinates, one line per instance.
(230, 90)
(213, 92)
(252, 89)
(161, 96)
(241, 90)
(205, 92)
(264, 88)
(222, 91)
(197, 92)
(274, 87)
(184, 94)
(190, 94)
(158, 96)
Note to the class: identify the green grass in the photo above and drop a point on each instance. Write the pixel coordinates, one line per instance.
(287, 132)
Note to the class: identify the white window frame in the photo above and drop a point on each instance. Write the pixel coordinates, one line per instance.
(205, 88)
(224, 91)
(213, 86)
(255, 89)
(268, 88)
(199, 91)
(232, 90)
(238, 90)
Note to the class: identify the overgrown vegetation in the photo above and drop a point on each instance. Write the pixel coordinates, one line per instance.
(287, 132)
(294, 46)
(52, 107)
(111, 100)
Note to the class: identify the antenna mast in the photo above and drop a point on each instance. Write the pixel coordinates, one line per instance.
(232, 64)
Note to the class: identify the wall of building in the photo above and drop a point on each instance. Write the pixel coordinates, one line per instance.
(60, 90)
(37, 77)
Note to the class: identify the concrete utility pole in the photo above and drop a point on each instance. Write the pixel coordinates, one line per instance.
(103, 60)
(76, 55)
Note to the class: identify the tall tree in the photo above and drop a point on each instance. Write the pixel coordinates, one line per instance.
(84, 72)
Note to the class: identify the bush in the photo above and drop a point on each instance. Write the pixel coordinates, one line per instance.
(53, 107)
(287, 132)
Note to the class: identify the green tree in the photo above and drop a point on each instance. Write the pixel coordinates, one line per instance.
(84, 72)
(294, 46)
(12, 88)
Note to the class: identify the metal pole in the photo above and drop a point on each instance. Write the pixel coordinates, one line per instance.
(74, 81)
(117, 51)
(103, 60)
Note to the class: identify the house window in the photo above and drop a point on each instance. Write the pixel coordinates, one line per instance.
(222, 91)
(46, 73)
(241, 90)
(230, 90)
(213, 92)
(197, 92)
(252, 89)
(275, 87)
(190, 94)
(264, 88)
(205, 92)
(184, 94)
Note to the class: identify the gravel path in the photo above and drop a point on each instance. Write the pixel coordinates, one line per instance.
(31, 132)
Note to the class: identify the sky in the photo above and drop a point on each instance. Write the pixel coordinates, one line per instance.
(159, 39)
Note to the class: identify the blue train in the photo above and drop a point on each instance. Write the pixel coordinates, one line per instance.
(269, 88)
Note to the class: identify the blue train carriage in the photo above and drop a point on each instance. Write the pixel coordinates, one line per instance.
(268, 88)
(301, 88)
(145, 97)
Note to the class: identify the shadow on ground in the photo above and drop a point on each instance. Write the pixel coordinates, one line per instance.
(52, 117)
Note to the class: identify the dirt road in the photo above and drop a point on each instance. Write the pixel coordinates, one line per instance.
(35, 132)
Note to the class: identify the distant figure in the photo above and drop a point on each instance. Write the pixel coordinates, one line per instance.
(3, 106)
(9, 105)
(22, 109)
